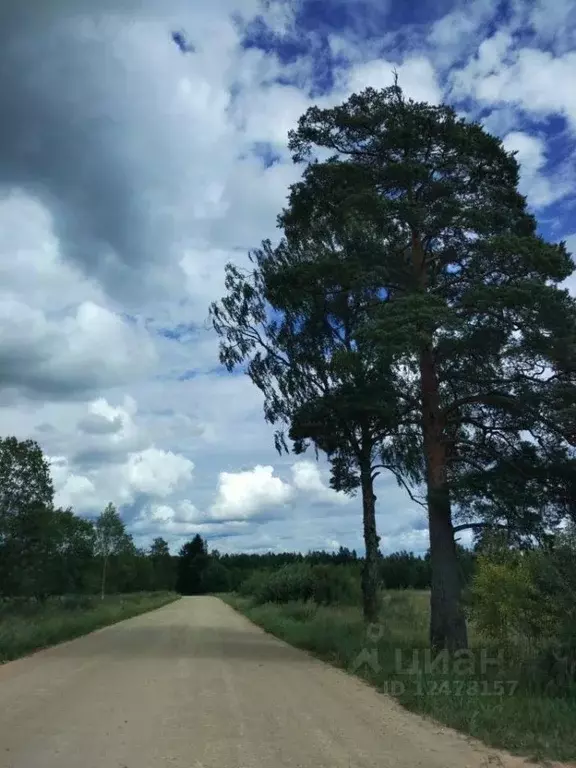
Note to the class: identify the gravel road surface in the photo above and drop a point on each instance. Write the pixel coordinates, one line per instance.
(196, 685)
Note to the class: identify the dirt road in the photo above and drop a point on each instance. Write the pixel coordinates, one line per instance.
(195, 685)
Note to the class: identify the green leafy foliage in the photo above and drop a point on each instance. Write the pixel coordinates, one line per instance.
(112, 541)
(524, 600)
(24, 479)
(215, 577)
(322, 583)
(46, 551)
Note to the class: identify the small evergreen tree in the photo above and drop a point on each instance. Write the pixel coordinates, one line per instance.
(192, 562)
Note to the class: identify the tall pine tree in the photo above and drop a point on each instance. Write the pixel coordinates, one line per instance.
(471, 310)
(294, 322)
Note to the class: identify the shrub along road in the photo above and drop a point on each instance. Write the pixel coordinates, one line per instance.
(196, 685)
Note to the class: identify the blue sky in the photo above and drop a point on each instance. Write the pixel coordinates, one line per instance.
(147, 150)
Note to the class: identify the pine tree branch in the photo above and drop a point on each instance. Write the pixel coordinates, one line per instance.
(478, 526)
(400, 480)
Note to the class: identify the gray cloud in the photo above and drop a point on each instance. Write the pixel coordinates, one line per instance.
(68, 357)
(87, 459)
(80, 99)
(45, 428)
(94, 424)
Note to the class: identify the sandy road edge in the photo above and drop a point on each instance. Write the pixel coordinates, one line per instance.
(64, 643)
(495, 756)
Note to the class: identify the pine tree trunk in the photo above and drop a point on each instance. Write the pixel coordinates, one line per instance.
(447, 621)
(371, 570)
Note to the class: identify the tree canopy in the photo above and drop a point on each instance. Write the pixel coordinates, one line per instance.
(24, 479)
(295, 321)
(417, 212)
(472, 313)
(111, 538)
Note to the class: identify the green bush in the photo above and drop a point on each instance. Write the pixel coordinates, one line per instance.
(324, 584)
(525, 602)
(252, 584)
(501, 595)
(333, 584)
(215, 577)
(291, 582)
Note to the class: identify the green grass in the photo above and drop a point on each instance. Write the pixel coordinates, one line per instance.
(26, 626)
(521, 718)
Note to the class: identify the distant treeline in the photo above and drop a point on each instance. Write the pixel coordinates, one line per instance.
(200, 571)
(46, 550)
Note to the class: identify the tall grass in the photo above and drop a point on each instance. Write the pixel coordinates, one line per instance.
(489, 696)
(27, 625)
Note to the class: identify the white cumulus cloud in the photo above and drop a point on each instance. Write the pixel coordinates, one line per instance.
(157, 472)
(541, 190)
(243, 495)
(308, 480)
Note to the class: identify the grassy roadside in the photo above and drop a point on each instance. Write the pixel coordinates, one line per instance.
(502, 704)
(26, 627)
